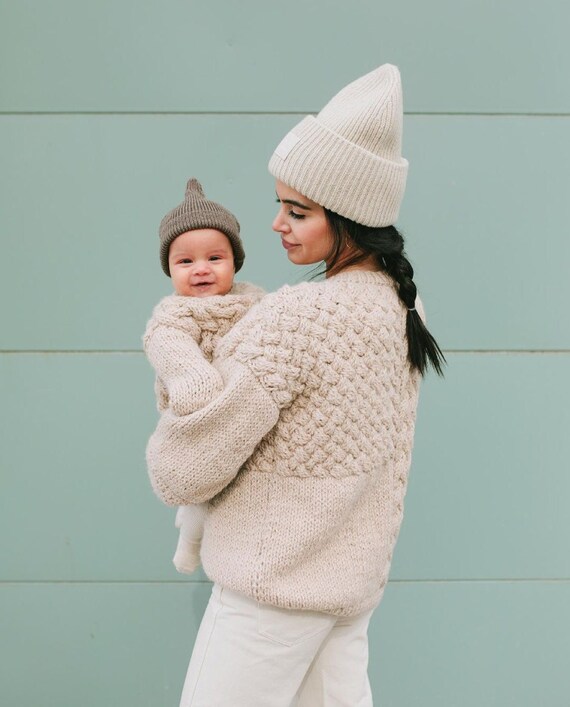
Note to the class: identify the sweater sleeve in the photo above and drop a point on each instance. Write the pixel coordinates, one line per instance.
(264, 362)
(184, 377)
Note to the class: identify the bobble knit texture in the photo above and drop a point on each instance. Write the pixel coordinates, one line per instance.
(305, 453)
(348, 157)
(179, 341)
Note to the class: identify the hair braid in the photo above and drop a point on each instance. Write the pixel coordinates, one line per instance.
(386, 244)
(400, 268)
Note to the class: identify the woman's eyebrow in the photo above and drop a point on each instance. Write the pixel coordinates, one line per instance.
(294, 203)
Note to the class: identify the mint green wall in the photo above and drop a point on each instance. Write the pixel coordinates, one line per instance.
(105, 109)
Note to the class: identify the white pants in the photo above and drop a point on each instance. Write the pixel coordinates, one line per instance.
(249, 654)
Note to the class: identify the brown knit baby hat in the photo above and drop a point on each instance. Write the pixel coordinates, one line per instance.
(198, 212)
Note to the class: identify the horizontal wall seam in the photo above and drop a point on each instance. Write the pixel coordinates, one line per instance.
(526, 580)
(282, 112)
(73, 352)
(506, 351)
(67, 352)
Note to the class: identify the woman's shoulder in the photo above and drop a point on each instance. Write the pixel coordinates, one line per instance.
(303, 292)
(347, 294)
(290, 308)
(246, 290)
(304, 310)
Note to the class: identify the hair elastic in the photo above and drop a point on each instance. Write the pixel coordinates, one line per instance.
(411, 309)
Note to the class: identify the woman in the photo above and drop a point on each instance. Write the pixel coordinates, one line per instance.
(305, 454)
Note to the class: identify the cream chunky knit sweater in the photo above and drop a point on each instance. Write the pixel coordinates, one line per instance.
(305, 451)
(179, 341)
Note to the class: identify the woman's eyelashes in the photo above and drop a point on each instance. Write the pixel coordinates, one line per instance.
(292, 213)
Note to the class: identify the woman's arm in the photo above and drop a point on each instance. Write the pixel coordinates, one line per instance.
(264, 362)
(192, 458)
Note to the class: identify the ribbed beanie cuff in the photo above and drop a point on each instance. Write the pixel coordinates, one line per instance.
(347, 158)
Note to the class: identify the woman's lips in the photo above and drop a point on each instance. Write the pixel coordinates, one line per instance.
(287, 245)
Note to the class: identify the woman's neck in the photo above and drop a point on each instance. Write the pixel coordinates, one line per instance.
(369, 264)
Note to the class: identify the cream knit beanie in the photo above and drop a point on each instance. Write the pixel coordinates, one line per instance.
(348, 158)
(197, 212)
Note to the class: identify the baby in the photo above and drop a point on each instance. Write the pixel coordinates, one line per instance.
(201, 250)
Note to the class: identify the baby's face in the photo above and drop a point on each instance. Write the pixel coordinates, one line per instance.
(201, 263)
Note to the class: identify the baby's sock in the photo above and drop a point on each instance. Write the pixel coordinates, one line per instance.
(187, 556)
(190, 520)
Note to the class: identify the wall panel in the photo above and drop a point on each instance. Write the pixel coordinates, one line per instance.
(485, 502)
(82, 197)
(106, 109)
(116, 55)
(470, 644)
(489, 484)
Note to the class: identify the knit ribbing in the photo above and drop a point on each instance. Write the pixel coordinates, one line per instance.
(348, 158)
(305, 453)
(197, 212)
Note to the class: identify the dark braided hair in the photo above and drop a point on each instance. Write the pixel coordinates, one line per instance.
(386, 244)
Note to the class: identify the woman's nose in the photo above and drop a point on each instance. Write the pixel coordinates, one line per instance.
(279, 225)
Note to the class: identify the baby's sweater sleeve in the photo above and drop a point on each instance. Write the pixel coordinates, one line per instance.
(264, 362)
(186, 381)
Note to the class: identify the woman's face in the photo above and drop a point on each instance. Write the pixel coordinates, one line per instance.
(305, 232)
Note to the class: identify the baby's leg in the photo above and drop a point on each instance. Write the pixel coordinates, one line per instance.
(190, 520)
